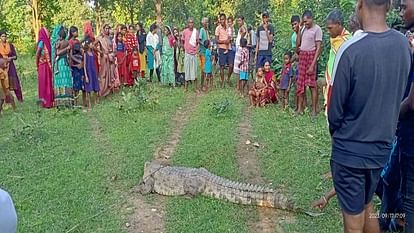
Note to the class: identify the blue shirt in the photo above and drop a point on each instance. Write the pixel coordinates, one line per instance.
(208, 66)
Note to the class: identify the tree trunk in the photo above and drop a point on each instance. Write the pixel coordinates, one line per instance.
(131, 15)
(158, 11)
(98, 18)
(36, 23)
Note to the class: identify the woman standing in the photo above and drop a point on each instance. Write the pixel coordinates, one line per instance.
(62, 79)
(142, 37)
(241, 34)
(44, 69)
(107, 77)
(167, 76)
(154, 60)
(8, 52)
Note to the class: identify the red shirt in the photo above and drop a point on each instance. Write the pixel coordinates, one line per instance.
(130, 42)
(134, 63)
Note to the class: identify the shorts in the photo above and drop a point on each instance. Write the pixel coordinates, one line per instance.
(262, 59)
(224, 59)
(244, 76)
(232, 56)
(354, 187)
(202, 61)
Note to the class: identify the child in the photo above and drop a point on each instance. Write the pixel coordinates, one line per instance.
(76, 58)
(258, 92)
(208, 66)
(286, 79)
(121, 58)
(4, 85)
(244, 65)
(134, 63)
(91, 74)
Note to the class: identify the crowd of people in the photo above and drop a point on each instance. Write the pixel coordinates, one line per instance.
(368, 88)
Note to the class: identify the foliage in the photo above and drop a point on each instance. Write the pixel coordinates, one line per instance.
(221, 107)
(141, 96)
(30, 133)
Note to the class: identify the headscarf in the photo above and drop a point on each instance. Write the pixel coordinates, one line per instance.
(170, 37)
(44, 37)
(88, 30)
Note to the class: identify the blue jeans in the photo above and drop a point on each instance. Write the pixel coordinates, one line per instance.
(262, 59)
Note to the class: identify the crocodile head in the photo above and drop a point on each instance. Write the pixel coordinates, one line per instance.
(147, 184)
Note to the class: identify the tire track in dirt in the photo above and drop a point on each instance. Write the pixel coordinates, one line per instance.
(268, 219)
(150, 215)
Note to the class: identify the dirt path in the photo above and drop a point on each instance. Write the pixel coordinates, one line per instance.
(149, 215)
(268, 219)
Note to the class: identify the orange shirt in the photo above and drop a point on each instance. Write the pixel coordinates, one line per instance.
(222, 34)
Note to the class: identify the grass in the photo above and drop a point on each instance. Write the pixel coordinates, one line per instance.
(62, 174)
(73, 170)
(209, 141)
(296, 154)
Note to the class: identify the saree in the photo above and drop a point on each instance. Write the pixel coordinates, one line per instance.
(7, 50)
(271, 96)
(44, 69)
(336, 44)
(141, 37)
(167, 69)
(107, 77)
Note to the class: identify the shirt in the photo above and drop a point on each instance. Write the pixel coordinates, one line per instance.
(253, 38)
(221, 33)
(152, 40)
(208, 66)
(293, 39)
(244, 60)
(130, 42)
(189, 49)
(134, 63)
(367, 91)
(310, 37)
(405, 131)
(203, 38)
(8, 217)
(265, 46)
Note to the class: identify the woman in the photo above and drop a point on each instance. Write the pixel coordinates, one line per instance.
(240, 34)
(44, 69)
(141, 38)
(154, 60)
(167, 76)
(107, 77)
(62, 78)
(8, 52)
(271, 86)
(121, 59)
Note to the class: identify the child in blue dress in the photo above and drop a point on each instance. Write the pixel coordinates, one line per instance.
(208, 66)
(286, 78)
(91, 74)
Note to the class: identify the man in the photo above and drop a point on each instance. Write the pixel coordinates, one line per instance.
(295, 22)
(8, 217)
(309, 47)
(232, 47)
(191, 42)
(264, 42)
(240, 34)
(338, 34)
(202, 55)
(223, 41)
(406, 130)
(369, 78)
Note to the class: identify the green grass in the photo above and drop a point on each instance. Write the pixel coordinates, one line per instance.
(58, 170)
(296, 154)
(209, 141)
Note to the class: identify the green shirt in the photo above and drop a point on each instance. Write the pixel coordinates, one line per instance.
(203, 37)
(294, 37)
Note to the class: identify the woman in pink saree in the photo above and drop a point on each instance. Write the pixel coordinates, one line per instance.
(107, 77)
(271, 85)
(44, 69)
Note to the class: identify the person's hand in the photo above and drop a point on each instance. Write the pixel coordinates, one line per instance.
(86, 79)
(321, 203)
(311, 70)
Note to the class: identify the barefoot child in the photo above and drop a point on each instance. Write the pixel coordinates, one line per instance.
(208, 66)
(244, 65)
(134, 64)
(258, 92)
(4, 84)
(91, 74)
(286, 79)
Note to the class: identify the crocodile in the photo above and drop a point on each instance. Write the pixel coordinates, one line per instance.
(176, 181)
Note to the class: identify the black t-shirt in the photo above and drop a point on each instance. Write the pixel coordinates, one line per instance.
(265, 46)
(370, 75)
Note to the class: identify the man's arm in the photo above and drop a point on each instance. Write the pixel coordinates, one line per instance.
(340, 93)
(269, 33)
(298, 40)
(407, 105)
(318, 53)
(257, 44)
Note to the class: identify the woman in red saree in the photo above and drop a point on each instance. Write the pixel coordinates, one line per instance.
(107, 77)
(44, 69)
(271, 85)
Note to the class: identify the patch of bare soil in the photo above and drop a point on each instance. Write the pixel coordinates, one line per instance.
(269, 220)
(149, 215)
